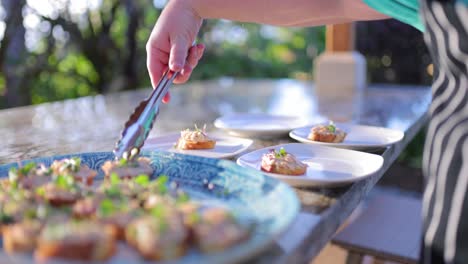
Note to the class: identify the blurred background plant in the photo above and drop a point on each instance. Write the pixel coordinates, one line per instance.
(59, 49)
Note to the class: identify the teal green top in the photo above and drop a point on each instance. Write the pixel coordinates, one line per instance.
(406, 11)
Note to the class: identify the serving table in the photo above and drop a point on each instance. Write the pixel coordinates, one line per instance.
(90, 124)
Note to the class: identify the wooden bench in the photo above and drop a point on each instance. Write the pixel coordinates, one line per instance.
(389, 229)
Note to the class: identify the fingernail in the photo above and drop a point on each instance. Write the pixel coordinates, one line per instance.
(186, 70)
(175, 66)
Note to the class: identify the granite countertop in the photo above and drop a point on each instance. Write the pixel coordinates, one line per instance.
(91, 124)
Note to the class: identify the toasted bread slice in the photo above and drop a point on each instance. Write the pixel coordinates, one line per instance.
(186, 145)
(327, 133)
(84, 241)
(162, 238)
(218, 231)
(20, 237)
(128, 170)
(274, 168)
(282, 163)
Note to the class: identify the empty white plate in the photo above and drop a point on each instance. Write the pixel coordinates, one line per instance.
(358, 137)
(326, 166)
(258, 125)
(225, 147)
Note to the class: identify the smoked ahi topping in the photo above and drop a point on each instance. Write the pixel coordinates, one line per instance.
(282, 162)
(327, 133)
(53, 212)
(195, 139)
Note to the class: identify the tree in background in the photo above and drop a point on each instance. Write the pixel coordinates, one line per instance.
(58, 49)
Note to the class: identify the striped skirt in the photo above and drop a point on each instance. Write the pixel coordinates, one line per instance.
(445, 202)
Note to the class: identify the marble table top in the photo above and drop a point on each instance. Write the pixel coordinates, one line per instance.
(91, 124)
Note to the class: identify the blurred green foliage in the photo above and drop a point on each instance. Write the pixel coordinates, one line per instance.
(62, 52)
(103, 50)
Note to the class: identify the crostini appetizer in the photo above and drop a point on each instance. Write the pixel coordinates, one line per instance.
(49, 212)
(282, 162)
(62, 190)
(128, 168)
(81, 241)
(21, 237)
(161, 235)
(74, 167)
(195, 139)
(216, 230)
(327, 133)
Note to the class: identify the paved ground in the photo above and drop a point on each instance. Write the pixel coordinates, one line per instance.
(399, 179)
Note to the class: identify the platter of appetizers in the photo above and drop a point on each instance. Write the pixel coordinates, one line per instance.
(153, 207)
(199, 142)
(346, 135)
(303, 165)
(259, 124)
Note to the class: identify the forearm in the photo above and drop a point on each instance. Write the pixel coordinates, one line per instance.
(285, 12)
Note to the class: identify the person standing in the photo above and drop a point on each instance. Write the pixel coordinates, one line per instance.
(445, 27)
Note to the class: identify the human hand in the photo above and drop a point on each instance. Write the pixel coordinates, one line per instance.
(170, 43)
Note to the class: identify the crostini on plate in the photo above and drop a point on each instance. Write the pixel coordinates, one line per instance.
(327, 133)
(282, 162)
(61, 217)
(195, 139)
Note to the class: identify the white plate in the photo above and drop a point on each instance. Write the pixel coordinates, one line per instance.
(225, 147)
(358, 137)
(326, 166)
(258, 125)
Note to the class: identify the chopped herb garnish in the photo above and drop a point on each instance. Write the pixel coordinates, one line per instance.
(183, 198)
(72, 164)
(331, 127)
(123, 162)
(142, 180)
(27, 168)
(40, 191)
(30, 213)
(64, 181)
(113, 192)
(194, 217)
(114, 179)
(161, 182)
(107, 207)
(158, 211)
(281, 153)
(13, 175)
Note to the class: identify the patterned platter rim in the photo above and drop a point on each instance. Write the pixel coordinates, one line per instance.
(283, 206)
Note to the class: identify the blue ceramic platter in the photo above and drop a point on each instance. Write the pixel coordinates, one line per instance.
(268, 204)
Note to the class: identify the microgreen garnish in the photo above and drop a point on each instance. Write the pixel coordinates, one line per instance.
(161, 182)
(113, 191)
(281, 153)
(13, 175)
(123, 162)
(142, 180)
(107, 207)
(30, 213)
(40, 191)
(114, 179)
(158, 212)
(194, 217)
(64, 181)
(183, 197)
(331, 127)
(27, 168)
(72, 164)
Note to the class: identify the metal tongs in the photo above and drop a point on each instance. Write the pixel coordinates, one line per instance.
(141, 121)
